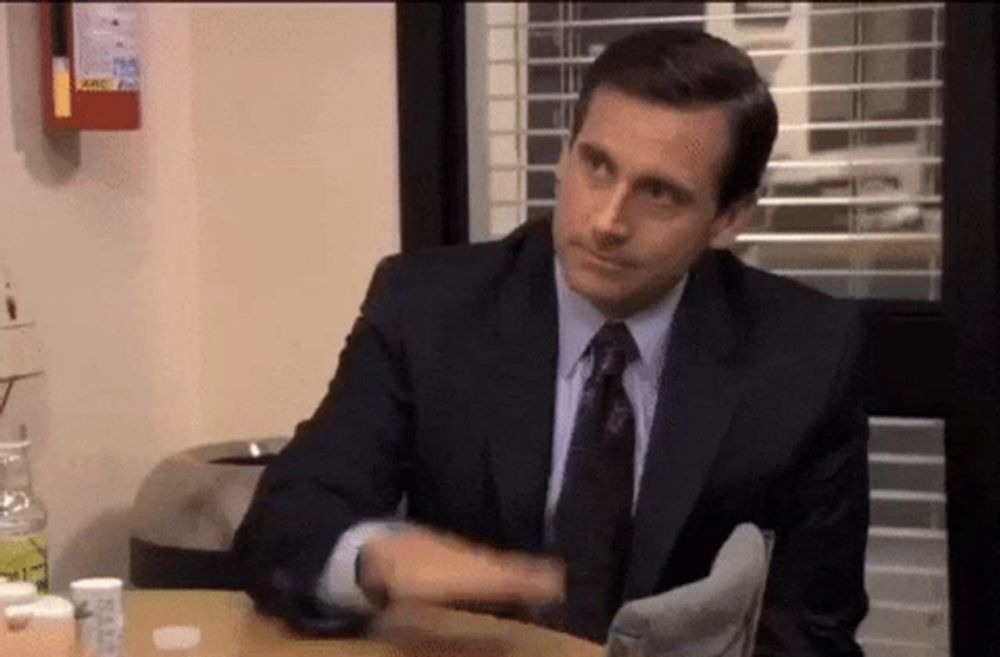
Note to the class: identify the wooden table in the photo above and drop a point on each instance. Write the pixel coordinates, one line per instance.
(231, 628)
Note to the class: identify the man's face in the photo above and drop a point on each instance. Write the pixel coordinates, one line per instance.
(637, 199)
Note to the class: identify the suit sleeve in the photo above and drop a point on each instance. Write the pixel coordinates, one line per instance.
(345, 464)
(815, 597)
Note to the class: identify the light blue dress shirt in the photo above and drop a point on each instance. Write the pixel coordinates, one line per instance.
(578, 322)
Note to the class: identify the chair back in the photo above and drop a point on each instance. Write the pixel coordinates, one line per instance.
(713, 617)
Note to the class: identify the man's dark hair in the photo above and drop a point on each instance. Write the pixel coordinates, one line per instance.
(685, 68)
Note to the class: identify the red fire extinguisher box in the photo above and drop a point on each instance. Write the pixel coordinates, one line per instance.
(90, 65)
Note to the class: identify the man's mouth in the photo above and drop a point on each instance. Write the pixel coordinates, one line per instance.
(604, 262)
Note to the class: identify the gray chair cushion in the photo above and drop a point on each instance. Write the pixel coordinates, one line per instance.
(713, 617)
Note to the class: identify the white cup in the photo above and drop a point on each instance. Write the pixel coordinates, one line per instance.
(100, 616)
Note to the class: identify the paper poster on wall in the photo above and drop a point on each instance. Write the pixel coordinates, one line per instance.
(105, 40)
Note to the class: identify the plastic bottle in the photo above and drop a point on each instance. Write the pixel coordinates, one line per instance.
(23, 518)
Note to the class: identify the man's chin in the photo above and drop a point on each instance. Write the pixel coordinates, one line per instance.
(611, 300)
(614, 301)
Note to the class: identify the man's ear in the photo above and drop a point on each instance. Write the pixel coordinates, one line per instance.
(732, 222)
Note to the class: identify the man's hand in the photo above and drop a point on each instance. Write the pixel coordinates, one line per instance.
(420, 565)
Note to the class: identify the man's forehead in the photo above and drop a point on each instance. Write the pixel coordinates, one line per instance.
(612, 110)
(656, 135)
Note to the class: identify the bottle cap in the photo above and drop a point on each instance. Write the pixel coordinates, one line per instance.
(16, 593)
(47, 606)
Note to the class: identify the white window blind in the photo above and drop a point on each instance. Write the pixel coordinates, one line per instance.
(851, 204)
(906, 570)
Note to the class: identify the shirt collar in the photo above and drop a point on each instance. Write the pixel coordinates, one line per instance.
(579, 320)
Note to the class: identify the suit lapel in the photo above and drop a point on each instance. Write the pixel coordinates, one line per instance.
(694, 408)
(518, 389)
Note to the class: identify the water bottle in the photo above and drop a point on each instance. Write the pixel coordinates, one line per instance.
(23, 551)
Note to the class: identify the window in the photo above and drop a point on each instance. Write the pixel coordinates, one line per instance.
(851, 202)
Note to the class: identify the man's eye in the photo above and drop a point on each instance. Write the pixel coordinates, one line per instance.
(660, 193)
(597, 166)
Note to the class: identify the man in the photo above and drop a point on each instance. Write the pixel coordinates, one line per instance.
(608, 388)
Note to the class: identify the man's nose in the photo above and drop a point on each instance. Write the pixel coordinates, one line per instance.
(609, 223)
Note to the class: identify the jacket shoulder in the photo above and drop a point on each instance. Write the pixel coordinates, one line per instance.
(450, 277)
(777, 299)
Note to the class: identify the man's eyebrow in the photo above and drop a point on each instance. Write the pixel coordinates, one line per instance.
(595, 151)
(680, 189)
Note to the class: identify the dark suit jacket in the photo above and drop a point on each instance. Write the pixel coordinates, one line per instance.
(445, 394)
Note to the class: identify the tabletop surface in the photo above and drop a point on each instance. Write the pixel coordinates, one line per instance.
(231, 628)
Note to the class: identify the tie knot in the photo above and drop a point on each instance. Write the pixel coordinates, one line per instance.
(613, 348)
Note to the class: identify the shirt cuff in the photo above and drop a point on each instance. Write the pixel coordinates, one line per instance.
(337, 585)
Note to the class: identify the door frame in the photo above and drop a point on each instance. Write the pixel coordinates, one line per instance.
(970, 285)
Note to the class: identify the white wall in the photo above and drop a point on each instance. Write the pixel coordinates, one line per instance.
(193, 281)
(295, 126)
